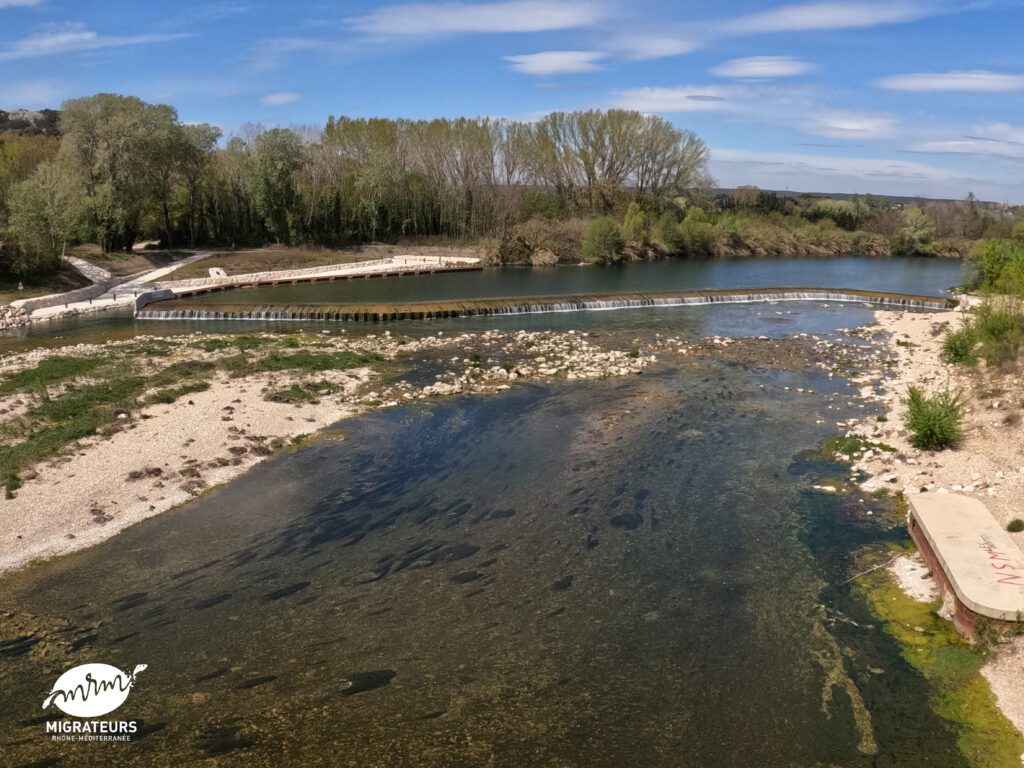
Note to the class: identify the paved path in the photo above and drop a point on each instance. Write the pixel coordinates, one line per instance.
(119, 296)
(981, 562)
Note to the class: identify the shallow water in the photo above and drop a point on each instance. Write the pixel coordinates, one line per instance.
(627, 572)
(616, 573)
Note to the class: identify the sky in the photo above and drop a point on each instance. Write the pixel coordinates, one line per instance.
(903, 97)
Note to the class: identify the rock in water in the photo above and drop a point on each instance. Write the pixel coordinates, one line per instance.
(366, 681)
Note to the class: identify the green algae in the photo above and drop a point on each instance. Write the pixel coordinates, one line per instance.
(953, 669)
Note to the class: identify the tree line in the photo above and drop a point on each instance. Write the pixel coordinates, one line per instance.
(124, 170)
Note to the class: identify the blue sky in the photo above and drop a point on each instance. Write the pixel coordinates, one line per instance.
(917, 97)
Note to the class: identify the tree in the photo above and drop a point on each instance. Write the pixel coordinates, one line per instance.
(45, 212)
(603, 243)
(276, 156)
(917, 237)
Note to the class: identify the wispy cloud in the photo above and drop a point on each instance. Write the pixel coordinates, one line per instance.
(280, 99)
(827, 15)
(556, 62)
(73, 38)
(267, 55)
(19, 3)
(993, 140)
(978, 81)
(652, 45)
(763, 67)
(825, 173)
(850, 125)
(680, 98)
(436, 19)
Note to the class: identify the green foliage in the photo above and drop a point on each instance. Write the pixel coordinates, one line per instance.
(1016, 525)
(52, 370)
(603, 243)
(168, 395)
(934, 422)
(917, 236)
(697, 233)
(635, 226)
(244, 365)
(667, 232)
(959, 346)
(310, 392)
(1000, 331)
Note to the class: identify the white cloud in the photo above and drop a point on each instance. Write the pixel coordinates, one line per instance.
(680, 98)
(643, 46)
(267, 55)
(850, 125)
(762, 67)
(433, 19)
(72, 38)
(556, 62)
(828, 15)
(280, 99)
(823, 173)
(19, 3)
(993, 140)
(979, 80)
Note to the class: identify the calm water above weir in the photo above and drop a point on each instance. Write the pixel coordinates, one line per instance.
(898, 275)
(615, 573)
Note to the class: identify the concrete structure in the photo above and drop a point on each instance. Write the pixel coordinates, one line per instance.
(972, 558)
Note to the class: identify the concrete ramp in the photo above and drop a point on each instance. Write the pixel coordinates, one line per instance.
(971, 556)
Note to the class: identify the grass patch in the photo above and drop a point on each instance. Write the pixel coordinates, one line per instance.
(170, 394)
(243, 342)
(303, 393)
(952, 668)
(52, 425)
(847, 447)
(246, 365)
(934, 422)
(1016, 525)
(52, 370)
(184, 371)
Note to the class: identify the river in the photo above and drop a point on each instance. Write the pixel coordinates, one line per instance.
(614, 573)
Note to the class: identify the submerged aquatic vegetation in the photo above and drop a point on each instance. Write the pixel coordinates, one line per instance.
(952, 667)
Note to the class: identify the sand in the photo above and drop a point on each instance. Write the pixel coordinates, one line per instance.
(164, 457)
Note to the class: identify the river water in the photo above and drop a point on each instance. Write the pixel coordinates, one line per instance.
(614, 573)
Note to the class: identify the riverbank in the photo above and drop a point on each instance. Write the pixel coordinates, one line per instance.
(988, 461)
(156, 421)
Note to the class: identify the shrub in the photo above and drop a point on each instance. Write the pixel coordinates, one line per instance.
(1016, 525)
(959, 346)
(635, 225)
(603, 243)
(667, 232)
(934, 422)
(1000, 331)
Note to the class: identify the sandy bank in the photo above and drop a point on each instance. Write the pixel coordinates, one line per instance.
(987, 463)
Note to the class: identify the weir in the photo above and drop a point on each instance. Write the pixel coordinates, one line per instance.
(179, 309)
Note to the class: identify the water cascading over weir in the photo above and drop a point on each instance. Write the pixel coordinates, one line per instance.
(180, 308)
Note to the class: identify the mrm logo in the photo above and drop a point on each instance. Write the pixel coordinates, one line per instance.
(92, 690)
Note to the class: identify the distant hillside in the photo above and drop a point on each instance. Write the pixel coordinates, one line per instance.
(30, 123)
